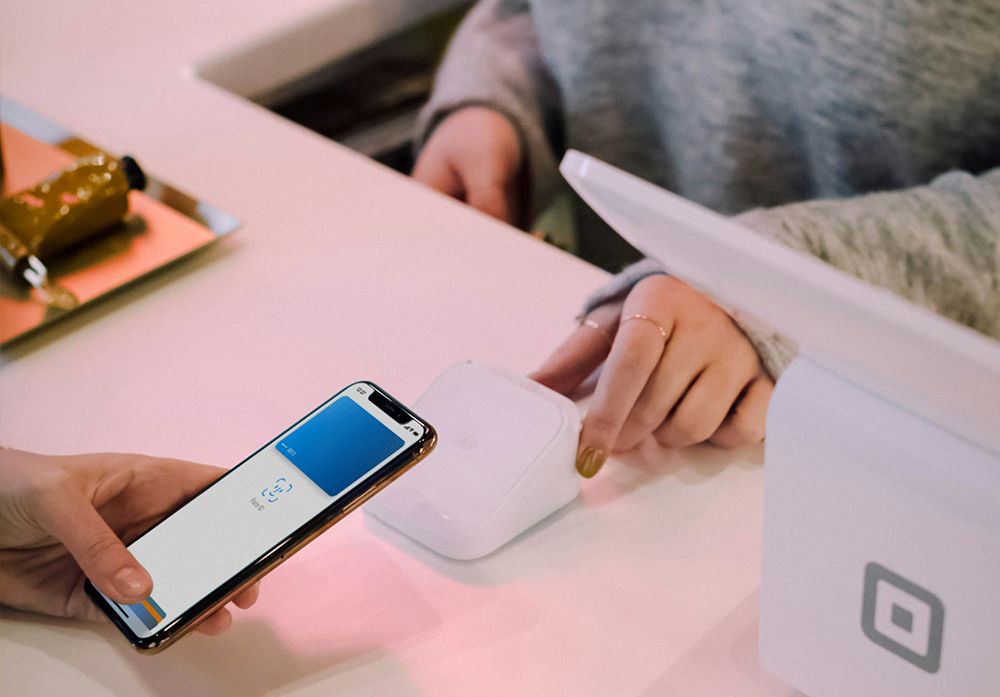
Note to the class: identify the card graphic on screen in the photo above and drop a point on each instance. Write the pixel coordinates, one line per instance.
(148, 612)
(300, 479)
(338, 445)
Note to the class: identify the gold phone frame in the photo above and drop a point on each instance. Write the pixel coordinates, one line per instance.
(273, 558)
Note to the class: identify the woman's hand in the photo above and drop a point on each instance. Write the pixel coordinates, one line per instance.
(699, 379)
(474, 156)
(64, 519)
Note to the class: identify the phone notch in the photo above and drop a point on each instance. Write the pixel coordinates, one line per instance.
(395, 412)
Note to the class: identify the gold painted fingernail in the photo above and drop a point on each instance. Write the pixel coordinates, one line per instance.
(589, 461)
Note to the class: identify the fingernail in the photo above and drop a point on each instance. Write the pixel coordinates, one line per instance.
(131, 582)
(589, 461)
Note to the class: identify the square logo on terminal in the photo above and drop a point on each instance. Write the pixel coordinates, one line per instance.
(902, 617)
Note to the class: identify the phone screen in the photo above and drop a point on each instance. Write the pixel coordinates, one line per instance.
(261, 502)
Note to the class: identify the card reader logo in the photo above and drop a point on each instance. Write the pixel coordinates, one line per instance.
(902, 617)
(148, 611)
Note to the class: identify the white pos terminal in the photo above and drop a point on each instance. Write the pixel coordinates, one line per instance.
(504, 462)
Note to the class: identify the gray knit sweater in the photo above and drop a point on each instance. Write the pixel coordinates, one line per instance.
(791, 113)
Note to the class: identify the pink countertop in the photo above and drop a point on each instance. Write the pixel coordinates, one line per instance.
(344, 270)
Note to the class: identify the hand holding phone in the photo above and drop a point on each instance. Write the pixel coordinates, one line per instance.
(63, 517)
(265, 509)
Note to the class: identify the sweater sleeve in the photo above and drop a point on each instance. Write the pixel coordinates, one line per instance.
(494, 60)
(937, 246)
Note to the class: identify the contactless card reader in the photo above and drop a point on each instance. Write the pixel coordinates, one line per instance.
(882, 459)
(503, 462)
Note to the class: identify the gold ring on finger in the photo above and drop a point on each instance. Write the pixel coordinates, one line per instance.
(663, 332)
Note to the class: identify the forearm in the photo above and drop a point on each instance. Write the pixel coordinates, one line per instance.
(494, 60)
(937, 245)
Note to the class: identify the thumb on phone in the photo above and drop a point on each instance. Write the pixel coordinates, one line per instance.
(102, 556)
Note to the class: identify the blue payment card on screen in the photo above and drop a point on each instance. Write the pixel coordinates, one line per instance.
(339, 445)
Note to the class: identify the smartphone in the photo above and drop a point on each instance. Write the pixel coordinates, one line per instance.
(267, 508)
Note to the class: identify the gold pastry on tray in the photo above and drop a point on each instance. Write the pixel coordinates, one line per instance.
(76, 225)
